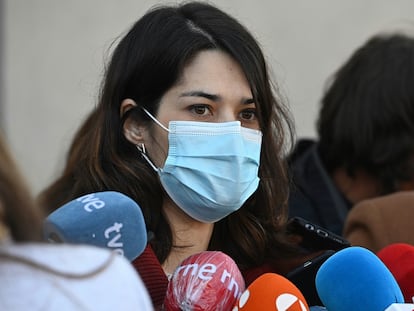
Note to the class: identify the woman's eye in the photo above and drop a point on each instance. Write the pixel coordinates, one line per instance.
(248, 114)
(200, 109)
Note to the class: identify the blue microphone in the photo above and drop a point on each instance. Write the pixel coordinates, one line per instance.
(355, 279)
(106, 219)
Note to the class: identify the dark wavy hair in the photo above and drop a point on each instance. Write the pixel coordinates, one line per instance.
(147, 62)
(366, 119)
(18, 213)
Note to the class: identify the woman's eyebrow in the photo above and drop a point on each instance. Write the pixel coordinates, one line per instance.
(213, 97)
(248, 101)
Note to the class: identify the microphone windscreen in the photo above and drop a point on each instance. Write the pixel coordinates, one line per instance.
(271, 292)
(399, 258)
(400, 307)
(356, 279)
(205, 281)
(107, 219)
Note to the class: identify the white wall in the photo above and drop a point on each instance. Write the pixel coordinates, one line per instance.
(54, 53)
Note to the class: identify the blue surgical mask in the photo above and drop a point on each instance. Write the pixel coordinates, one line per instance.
(211, 168)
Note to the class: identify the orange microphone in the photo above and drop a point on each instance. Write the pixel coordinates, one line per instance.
(271, 292)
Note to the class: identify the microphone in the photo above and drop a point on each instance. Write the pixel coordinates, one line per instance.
(272, 292)
(399, 259)
(114, 221)
(107, 219)
(401, 307)
(206, 281)
(354, 278)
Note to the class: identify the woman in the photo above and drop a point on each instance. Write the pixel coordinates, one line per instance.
(40, 276)
(188, 125)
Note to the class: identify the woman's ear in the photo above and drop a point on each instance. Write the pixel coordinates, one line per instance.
(126, 105)
(132, 131)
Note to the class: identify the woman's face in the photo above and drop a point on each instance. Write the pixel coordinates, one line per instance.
(213, 88)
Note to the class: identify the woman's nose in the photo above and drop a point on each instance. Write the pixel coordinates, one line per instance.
(226, 115)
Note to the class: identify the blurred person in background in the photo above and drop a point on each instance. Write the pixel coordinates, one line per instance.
(365, 139)
(42, 276)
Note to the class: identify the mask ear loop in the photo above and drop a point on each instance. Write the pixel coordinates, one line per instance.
(155, 120)
(141, 149)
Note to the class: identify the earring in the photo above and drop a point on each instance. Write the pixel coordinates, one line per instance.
(141, 148)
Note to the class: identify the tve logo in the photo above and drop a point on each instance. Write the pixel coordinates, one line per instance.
(115, 241)
(91, 202)
(108, 219)
(113, 235)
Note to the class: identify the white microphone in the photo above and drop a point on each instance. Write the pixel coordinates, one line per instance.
(400, 307)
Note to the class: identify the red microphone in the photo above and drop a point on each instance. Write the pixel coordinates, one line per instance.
(399, 259)
(271, 292)
(207, 281)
